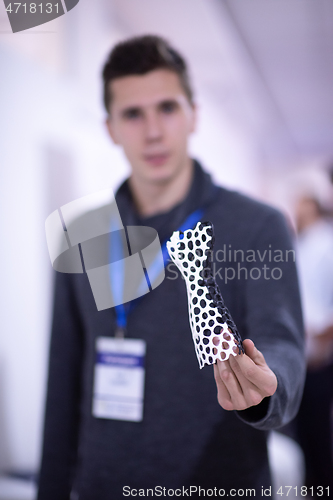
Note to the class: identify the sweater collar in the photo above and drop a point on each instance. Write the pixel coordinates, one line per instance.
(199, 195)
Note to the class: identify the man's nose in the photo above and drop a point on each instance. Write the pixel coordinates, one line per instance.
(153, 127)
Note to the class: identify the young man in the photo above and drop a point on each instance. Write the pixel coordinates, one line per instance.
(186, 438)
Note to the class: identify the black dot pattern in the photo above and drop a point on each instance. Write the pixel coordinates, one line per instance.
(204, 297)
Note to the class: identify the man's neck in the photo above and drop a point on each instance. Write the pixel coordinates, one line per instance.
(151, 199)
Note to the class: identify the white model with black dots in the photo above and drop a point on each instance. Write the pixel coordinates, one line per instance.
(215, 335)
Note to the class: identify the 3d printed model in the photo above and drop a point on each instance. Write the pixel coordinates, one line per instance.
(214, 332)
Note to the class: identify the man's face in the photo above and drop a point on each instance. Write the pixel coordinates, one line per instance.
(151, 118)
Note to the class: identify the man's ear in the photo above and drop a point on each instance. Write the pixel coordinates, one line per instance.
(110, 129)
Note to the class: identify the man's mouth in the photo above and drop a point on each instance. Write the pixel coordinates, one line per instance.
(157, 159)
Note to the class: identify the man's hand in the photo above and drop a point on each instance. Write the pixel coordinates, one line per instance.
(244, 380)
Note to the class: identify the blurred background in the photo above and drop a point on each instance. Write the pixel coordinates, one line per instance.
(263, 78)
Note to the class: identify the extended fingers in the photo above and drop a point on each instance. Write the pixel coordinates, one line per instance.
(253, 368)
(234, 391)
(244, 380)
(223, 395)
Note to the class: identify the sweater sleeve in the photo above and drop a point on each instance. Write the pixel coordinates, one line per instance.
(63, 395)
(274, 322)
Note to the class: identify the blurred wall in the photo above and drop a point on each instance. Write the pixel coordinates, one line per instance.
(53, 150)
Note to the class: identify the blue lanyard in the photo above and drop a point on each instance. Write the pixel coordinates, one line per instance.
(117, 274)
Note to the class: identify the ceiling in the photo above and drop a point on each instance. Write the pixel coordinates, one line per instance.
(265, 65)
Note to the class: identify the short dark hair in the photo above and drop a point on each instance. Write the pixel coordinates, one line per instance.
(140, 55)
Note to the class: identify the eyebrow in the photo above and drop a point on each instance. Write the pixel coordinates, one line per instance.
(130, 109)
(170, 100)
(139, 109)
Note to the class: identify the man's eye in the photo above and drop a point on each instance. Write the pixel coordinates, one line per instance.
(169, 107)
(132, 114)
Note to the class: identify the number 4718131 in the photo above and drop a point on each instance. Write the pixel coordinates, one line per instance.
(32, 8)
(303, 491)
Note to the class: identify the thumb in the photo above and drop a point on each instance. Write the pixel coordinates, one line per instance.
(252, 352)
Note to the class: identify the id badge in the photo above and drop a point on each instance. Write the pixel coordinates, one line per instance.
(119, 379)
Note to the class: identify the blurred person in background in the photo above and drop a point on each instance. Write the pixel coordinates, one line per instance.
(185, 439)
(315, 266)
